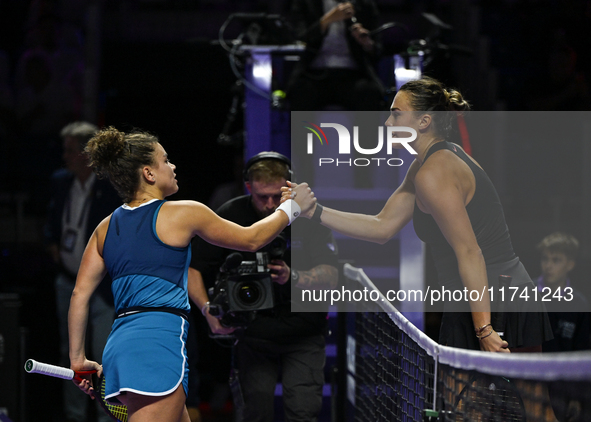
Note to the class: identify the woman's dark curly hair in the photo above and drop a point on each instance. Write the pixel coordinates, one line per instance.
(428, 94)
(120, 157)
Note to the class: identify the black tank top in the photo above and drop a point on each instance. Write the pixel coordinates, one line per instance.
(487, 219)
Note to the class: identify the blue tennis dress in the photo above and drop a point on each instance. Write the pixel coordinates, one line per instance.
(145, 352)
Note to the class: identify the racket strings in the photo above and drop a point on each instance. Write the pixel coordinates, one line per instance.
(488, 399)
(118, 411)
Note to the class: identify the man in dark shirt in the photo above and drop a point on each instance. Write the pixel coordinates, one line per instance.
(340, 52)
(79, 202)
(277, 343)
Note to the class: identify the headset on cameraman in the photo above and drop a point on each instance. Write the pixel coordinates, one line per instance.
(268, 155)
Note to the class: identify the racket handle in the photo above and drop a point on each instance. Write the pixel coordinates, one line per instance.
(34, 367)
(499, 317)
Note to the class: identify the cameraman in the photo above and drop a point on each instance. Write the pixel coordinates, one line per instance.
(276, 344)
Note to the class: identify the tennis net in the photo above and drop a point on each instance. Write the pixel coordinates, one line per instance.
(395, 372)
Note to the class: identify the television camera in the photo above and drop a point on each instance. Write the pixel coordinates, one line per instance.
(244, 287)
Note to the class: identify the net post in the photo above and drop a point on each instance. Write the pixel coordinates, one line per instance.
(435, 377)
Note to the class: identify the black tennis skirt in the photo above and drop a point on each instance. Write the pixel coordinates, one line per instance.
(527, 322)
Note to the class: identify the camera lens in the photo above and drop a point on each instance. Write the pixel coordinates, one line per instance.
(249, 294)
(277, 247)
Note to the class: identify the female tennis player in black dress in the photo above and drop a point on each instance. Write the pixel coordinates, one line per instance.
(456, 210)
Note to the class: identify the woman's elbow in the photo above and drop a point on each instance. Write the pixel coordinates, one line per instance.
(382, 236)
(253, 244)
(382, 239)
(244, 246)
(382, 230)
(253, 247)
(469, 253)
(78, 298)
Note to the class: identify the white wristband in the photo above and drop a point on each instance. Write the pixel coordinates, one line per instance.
(291, 209)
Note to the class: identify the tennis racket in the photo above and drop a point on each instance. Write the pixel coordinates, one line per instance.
(116, 412)
(488, 398)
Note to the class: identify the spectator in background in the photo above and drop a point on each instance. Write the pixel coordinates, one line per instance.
(571, 329)
(340, 52)
(570, 320)
(48, 31)
(79, 201)
(565, 86)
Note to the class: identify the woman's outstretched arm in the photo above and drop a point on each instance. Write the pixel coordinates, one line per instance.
(379, 228)
(180, 221)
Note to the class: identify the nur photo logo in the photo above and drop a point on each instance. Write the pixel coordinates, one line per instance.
(387, 136)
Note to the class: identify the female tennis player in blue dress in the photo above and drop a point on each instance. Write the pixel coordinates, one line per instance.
(145, 247)
(456, 210)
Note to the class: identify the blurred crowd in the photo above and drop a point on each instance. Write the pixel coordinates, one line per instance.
(41, 90)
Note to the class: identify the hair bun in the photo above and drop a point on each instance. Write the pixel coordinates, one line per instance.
(105, 148)
(455, 100)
